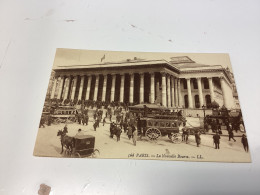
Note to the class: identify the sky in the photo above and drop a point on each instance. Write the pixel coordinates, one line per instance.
(68, 57)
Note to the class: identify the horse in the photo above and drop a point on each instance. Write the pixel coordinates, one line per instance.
(66, 141)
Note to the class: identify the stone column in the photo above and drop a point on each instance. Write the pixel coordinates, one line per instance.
(82, 78)
(75, 80)
(141, 88)
(200, 92)
(60, 87)
(152, 88)
(222, 83)
(176, 92)
(189, 93)
(211, 89)
(54, 88)
(122, 87)
(180, 103)
(173, 94)
(96, 88)
(66, 96)
(169, 90)
(112, 95)
(104, 88)
(88, 87)
(131, 93)
(164, 102)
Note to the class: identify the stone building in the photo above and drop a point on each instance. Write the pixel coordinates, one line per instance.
(178, 83)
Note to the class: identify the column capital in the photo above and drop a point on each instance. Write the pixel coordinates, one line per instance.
(198, 78)
(209, 77)
(188, 79)
(163, 73)
(122, 74)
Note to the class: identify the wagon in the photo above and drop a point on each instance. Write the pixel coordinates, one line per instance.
(162, 126)
(84, 146)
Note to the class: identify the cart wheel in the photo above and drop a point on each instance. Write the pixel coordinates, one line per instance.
(153, 133)
(175, 139)
(95, 153)
(77, 155)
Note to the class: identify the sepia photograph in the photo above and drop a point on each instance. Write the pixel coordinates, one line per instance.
(142, 105)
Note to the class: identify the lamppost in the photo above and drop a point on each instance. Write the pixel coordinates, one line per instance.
(204, 107)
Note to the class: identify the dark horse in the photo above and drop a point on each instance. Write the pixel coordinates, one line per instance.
(65, 141)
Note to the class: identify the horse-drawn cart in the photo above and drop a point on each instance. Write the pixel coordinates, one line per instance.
(84, 146)
(79, 146)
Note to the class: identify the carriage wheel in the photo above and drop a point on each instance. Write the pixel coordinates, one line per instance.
(175, 138)
(77, 155)
(153, 133)
(95, 153)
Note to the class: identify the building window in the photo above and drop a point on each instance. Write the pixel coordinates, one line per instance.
(195, 84)
(184, 84)
(197, 101)
(186, 101)
(206, 84)
(208, 101)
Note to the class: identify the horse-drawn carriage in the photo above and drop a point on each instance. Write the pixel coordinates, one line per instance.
(157, 127)
(79, 146)
(157, 121)
(84, 146)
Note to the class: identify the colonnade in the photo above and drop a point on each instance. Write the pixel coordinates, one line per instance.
(170, 93)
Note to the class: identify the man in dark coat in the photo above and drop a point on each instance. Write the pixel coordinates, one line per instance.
(244, 142)
(118, 133)
(197, 138)
(112, 126)
(216, 140)
(231, 135)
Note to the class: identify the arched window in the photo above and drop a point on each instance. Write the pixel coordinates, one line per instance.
(186, 101)
(197, 101)
(208, 101)
(184, 83)
(195, 84)
(206, 83)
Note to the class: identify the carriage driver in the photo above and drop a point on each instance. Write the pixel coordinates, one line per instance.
(80, 132)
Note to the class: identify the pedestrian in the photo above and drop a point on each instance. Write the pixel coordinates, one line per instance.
(135, 134)
(110, 117)
(187, 135)
(231, 135)
(118, 133)
(184, 132)
(121, 124)
(95, 125)
(125, 126)
(197, 138)
(104, 121)
(130, 132)
(112, 126)
(244, 142)
(216, 140)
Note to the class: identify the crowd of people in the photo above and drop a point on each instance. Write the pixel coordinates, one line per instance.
(133, 127)
(216, 137)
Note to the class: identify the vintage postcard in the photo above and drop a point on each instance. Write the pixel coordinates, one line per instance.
(141, 105)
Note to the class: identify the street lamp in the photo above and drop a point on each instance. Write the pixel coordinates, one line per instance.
(204, 107)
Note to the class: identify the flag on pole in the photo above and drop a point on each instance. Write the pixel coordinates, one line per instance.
(103, 57)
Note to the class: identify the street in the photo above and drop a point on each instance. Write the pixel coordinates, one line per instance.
(48, 144)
